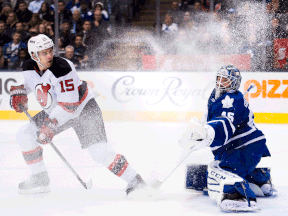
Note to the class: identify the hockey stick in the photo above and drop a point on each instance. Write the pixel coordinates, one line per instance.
(155, 183)
(87, 185)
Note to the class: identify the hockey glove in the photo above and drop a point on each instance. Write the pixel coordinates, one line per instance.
(18, 95)
(47, 131)
(197, 135)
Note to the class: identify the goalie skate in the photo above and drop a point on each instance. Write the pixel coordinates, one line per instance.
(38, 183)
(238, 205)
(136, 184)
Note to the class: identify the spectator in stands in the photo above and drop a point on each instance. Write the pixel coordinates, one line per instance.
(46, 30)
(197, 14)
(273, 6)
(34, 23)
(35, 6)
(45, 11)
(73, 4)
(100, 26)
(11, 23)
(80, 49)
(24, 34)
(169, 27)
(187, 23)
(176, 13)
(87, 33)
(85, 12)
(69, 54)
(61, 46)
(49, 28)
(12, 48)
(22, 57)
(23, 14)
(64, 14)
(276, 30)
(100, 6)
(3, 61)
(77, 22)
(7, 8)
(66, 33)
(4, 38)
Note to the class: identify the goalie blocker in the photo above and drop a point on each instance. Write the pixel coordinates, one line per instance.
(259, 180)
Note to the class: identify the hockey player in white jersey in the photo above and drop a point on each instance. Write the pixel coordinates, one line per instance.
(229, 130)
(67, 102)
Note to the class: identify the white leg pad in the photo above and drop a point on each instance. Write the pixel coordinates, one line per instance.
(217, 179)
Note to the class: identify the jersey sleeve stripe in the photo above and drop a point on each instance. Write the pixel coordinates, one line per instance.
(231, 124)
(241, 135)
(252, 141)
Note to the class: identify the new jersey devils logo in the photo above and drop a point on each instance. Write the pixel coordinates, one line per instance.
(43, 95)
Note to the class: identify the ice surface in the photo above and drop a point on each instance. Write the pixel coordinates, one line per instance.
(151, 148)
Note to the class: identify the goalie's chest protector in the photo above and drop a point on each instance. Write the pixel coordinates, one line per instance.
(48, 87)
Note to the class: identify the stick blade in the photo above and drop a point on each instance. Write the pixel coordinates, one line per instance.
(89, 184)
(155, 183)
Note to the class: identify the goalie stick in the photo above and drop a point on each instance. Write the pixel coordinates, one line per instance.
(156, 183)
(87, 185)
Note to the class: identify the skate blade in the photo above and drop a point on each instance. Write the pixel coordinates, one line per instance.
(37, 190)
(89, 184)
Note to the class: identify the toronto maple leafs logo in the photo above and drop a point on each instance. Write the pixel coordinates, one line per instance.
(227, 102)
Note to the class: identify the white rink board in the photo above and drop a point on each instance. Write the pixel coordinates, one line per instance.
(167, 91)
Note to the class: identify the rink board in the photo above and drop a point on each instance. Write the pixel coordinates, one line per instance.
(163, 96)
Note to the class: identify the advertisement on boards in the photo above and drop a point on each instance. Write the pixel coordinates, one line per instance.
(165, 96)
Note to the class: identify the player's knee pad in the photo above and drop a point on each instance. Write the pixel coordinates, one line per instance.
(222, 183)
(26, 137)
(260, 182)
(101, 153)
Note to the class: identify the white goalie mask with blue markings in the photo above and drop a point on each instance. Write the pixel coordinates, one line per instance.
(228, 78)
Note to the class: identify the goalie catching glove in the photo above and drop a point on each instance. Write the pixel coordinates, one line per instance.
(18, 95)
(47, 131)
(197, 135)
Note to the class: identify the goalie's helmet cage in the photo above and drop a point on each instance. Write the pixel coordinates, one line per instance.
(39, 43)
(233, 76)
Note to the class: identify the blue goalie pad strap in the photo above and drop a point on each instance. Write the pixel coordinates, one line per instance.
(259, 176)
(242, 188)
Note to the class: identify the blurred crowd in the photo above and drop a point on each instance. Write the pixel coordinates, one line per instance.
(234, 27)
(188, 27)
(83, 26)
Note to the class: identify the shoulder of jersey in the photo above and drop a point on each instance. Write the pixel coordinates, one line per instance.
(29, 65)
(60, 67)
(238, 97)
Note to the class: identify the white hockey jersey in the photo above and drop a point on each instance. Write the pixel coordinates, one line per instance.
(58, 89)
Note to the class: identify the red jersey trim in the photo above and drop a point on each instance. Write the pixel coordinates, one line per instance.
(64, 104)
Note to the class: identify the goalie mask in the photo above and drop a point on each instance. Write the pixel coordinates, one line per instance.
(39, 43)
(228, 78)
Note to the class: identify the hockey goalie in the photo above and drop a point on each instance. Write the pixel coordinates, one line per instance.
(228, 128)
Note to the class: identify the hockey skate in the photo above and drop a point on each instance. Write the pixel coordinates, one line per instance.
(136, 184)
(237, 203)
(38, 183)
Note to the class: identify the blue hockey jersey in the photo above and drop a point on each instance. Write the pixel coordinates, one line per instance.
(233, 123)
